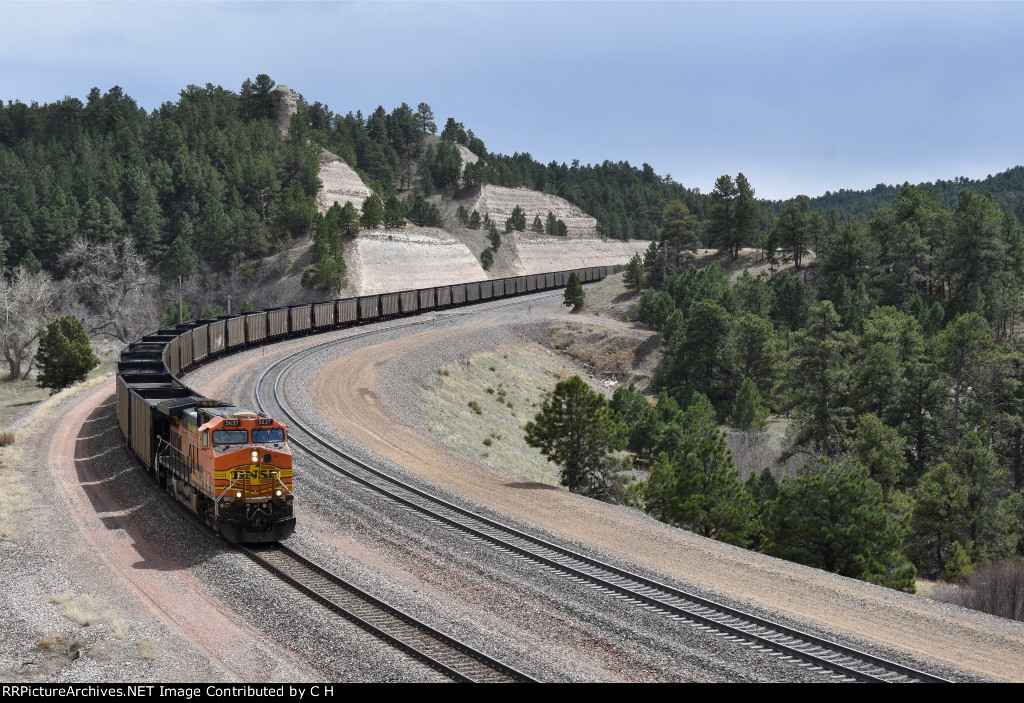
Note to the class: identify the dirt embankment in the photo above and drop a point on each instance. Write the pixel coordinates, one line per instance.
(362, 393)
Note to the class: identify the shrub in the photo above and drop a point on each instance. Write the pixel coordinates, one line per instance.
(996, 588)
(65, 356)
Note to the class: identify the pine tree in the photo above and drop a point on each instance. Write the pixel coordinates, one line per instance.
(756, 351)
(678, 235)
(373, 212)
(517, 221)
(880, 449)
(574, 295)
(425, 118)
(65, 356)
(576, 430)
(175, 314)
(818, 382)
(706, 495)
(939, 519)
(634, 274)
(394, 213)
(551, 224)
(833, 517)
(747, 412)
(179, 260)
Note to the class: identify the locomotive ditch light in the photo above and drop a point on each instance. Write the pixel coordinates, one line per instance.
(238, 494)
(278, 493)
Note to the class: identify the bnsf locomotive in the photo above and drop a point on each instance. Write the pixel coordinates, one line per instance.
(230, 466)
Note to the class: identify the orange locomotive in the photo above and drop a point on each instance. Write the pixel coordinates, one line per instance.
(233, 468)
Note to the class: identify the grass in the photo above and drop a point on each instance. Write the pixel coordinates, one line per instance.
(17, 397)
(86, 611)
(25, 398)
(456, 409)
(14, 503)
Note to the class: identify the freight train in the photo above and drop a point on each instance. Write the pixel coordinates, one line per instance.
(233, 467)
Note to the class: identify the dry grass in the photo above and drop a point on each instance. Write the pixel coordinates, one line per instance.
(996, 588)
(86, 611)
(19, 397)
(60, 643)
(147, 651)
(14, 503)
(618, 354)
(609, 298)
(519, 378)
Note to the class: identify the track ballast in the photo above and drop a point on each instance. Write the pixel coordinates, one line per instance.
(804, 649)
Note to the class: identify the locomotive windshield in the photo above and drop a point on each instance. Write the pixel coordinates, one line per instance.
(230, 436)
(268, 434)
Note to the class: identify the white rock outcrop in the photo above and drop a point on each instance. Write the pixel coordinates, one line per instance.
(340, 184)
(382, 261)
(537, 254)
(498, 202)
(286, 107)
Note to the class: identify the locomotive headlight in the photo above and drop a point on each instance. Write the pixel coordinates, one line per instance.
(255, 456)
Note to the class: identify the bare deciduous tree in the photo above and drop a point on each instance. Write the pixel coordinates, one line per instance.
(26, 303)
(115, 287)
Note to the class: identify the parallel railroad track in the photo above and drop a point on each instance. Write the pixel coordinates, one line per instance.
(804, 649)
(445, 654)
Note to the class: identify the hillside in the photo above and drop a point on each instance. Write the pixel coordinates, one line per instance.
(1007, 188)
(394, 259)
(341, 184)
(390, 260)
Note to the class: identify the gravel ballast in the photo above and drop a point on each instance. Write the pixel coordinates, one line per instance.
(166, 592)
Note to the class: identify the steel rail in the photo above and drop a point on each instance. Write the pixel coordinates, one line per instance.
(848, 662)
(437, 650)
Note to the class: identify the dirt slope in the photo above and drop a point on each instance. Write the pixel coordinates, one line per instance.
(363, 394)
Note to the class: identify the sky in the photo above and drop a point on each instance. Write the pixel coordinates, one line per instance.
(801, 97)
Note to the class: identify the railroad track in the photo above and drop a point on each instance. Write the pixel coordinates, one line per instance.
(435, 649)
(801, 648)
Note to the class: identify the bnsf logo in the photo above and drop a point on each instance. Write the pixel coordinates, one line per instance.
(253, 473)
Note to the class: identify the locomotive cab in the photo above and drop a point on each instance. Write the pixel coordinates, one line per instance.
(235, 469)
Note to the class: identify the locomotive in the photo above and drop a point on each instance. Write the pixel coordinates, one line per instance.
(230, 466)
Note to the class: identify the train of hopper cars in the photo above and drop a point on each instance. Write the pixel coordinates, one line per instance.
(230, 466)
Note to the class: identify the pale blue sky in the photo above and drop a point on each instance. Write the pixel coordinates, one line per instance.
(801, 97)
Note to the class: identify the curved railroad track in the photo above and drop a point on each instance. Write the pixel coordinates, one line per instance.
(801, 648)
(445, 654)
